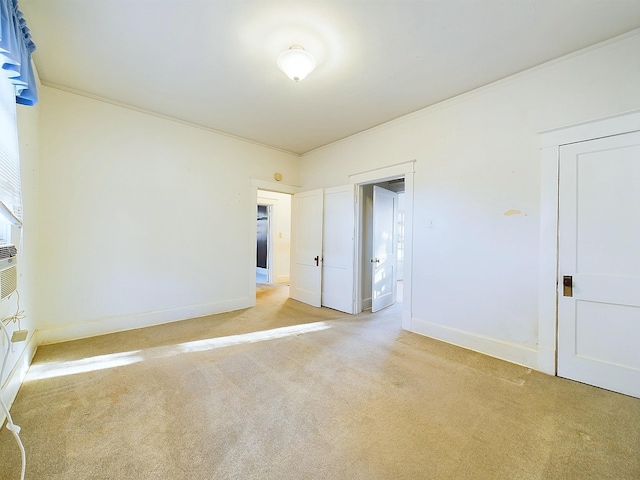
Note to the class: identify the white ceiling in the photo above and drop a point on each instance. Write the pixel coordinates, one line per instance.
(213, 62)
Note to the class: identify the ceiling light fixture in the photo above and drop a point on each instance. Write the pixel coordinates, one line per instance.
(296, 62)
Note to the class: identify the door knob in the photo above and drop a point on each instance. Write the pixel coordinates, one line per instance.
(317, 260)
(567, 286)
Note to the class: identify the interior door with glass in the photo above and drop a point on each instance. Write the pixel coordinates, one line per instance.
(384, 249)
(599, 263)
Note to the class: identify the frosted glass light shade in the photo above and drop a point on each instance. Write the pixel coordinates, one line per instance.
(296, 62)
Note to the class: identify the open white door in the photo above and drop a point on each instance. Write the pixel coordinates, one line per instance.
(599, 263)
(306, 247)
(339, 249)
(384, 249)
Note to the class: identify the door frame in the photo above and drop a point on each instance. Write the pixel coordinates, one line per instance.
(548, 276)
(255, 185)
(404, 170)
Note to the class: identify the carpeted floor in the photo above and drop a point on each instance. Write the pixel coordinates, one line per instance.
(286, 391)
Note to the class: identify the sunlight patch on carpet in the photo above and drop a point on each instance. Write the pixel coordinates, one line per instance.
(253, 337)
(40, 371)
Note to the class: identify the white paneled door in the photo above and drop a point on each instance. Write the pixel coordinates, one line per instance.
(384, 249)
(322, 248)
(306, 247)
(599, 263)
(339, 249)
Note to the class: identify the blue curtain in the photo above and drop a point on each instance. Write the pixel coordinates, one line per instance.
(16, 47)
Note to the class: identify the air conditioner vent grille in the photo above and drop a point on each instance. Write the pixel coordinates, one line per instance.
(8, 250)
(8, 281)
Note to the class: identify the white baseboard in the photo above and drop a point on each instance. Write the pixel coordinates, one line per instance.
(546, 360)
(510, 352)
(284, 279)
(63, 333)
(406, 320)
(366, 303)
(16, 376)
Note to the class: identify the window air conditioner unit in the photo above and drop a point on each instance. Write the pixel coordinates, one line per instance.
(8, 270)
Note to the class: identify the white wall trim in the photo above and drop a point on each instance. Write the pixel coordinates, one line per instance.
(546, 360)
(597, 128)
(97, 98)
(510, 352)
(383, 173)
(260, 184)
(17, 374)
(407, 293)
(548, 256)
(103, 326)
(549, 195)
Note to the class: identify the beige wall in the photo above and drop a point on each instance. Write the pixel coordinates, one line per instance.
(144, 220)
(477, 178)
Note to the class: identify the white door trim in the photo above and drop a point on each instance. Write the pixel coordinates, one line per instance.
(549, 195)
(259, 184)
(406, 170)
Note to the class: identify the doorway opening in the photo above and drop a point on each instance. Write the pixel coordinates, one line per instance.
(381, 245)
(264, 272)
(393, 174)
(273, 234)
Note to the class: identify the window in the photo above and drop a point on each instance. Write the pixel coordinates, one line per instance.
(10, 194)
